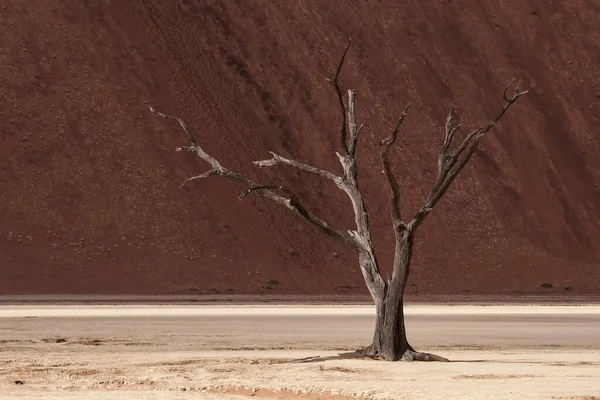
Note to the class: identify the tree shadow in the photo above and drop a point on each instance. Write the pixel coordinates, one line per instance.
(352, 355)
(359, 356)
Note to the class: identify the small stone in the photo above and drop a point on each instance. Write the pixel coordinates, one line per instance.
(546, 285)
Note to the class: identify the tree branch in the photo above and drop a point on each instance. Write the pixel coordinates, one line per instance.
(386, 144)
(340, 97)
(450, 164)
(443, 158)
(201, 176)
(291, 202)
(187, 133)
(349, 184)
(277, 159)
(260, 187)
(354, 130)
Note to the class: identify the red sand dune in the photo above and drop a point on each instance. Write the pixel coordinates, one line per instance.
(89, 179)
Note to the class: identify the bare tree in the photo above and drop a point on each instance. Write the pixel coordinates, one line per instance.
(389, 340)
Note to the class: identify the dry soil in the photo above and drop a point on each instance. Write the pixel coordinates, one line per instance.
(176, 352)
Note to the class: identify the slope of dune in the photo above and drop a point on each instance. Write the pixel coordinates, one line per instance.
(89, 180)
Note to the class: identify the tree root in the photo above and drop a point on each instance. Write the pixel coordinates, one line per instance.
(369, 352)
(412, 355)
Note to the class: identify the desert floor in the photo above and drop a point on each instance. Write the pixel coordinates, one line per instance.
(243, 352)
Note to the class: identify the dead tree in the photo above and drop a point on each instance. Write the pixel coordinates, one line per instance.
(389, 340)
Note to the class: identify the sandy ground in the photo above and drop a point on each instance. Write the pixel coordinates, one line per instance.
(242, 352)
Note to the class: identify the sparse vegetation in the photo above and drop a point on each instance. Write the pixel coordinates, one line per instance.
(389, 340)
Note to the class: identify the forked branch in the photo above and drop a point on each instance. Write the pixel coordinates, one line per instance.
(290, 200)
(338, 91)
(349, 184)
(444, 158)
(386, 144)
(451, 163)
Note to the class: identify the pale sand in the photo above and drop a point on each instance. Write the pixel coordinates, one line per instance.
(175, 352)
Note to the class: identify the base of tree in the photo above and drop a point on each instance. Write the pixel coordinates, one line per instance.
(409, 355)
(368, 353)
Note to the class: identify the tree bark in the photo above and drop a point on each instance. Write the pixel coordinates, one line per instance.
(389, 340)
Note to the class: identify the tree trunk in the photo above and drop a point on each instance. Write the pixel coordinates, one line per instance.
(389, 340)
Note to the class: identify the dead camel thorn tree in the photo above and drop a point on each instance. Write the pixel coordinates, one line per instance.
(389, 340)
